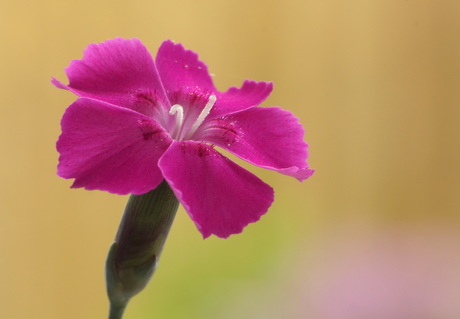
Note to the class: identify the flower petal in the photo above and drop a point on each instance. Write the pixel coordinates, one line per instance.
(220, 196)
(118, 71)
(236, 99)
(268, 137)
(110, 148)
(182, 71)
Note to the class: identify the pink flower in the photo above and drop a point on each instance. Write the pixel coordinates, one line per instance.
(138, 121)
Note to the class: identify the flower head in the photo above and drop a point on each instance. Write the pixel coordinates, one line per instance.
(140, 120)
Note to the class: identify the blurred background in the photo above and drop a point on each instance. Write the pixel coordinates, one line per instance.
(375, 233)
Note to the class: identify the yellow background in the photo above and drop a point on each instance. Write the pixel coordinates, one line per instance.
(375, 84)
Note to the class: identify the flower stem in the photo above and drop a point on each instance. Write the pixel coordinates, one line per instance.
(134, 255)
(116, 312)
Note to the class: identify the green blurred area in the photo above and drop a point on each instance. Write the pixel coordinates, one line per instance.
(376, 84)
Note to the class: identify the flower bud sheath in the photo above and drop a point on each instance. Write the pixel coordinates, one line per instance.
(134, 255)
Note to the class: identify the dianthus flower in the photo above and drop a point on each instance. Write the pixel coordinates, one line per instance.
(139, 121)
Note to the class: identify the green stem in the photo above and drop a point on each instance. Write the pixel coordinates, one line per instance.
(134, 255)
(116, 312)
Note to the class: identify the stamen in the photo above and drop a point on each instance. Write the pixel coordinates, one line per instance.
(177, 110)
(204, 113)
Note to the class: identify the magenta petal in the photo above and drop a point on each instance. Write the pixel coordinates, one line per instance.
(268, 137)
(180, 69)
(118, 71)
(220, 196)
(110, 148)
(236, 99)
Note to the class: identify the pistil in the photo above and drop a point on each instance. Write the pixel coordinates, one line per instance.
(178, 111)
(204, 113)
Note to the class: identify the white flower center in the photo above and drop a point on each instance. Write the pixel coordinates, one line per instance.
(178, 111)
